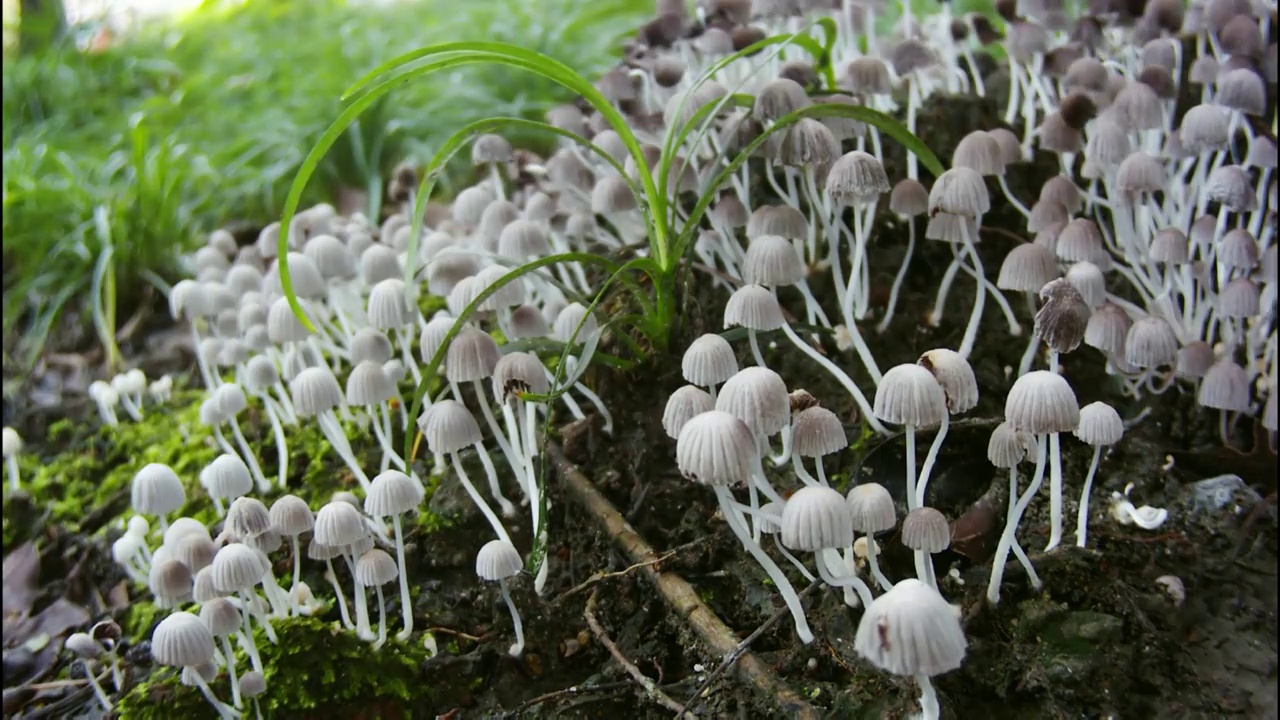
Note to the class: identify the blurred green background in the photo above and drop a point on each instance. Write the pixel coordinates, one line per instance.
(122, 148)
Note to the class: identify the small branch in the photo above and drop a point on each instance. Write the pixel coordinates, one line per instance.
(650, 687)
(597, 577)
(696, 697)
(575, 691)
(455, 633)
(677, 592)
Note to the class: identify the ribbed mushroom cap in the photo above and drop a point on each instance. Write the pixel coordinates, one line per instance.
(567, 323)
(156, 490)
(1100, 424)
(193, 675)
(856, 178)
(375, 568)
(911, 630)
(1242, 89)
(527, 322)
(338, 524)
(388, 305)
(372, 345)
(1008, 447)
(315, 390)
(181, 640)
(510, 295)
(1027, 268)
(955, 376)
(782, 220)
(868, 75)
(238, 567)
(1056, 135)
(392, 493)
(290, 515)
(908, 198)
(226, 477)
(809, 142)
(1064, 316)
(368, 384)
(267, 542)
(1061, 189)
(194, 550)
(815, 432)
(170, 581)
(716, 448)
(377, 263)
(1204, 129)
(1230, 186)
(960, 191)
(1238, 249)
(777, 98)
(521, 239)
(1224, 387)
(1089, 281)
(1239, 298)
(816, 517)
(980, 152)
(772, 261)
(753, 307)
(1170, 246)
(1079, 240)
(682, 406)
(518, 372)
(203, 588)
(770, 517)
(432, 338)
(1150, 342)
(1108, 144)
(471, 356)
(448, 426)
(709, 360)
(1041, 402)
(252, 684)
(318, 551)
(1194, 359)
(1046, 213)
(910, 395)
(757, 396)
(490, 148)
(871, 507)
(220, 616)
(448, 268)
(1107, 329)
(498, 560)
(926, 529)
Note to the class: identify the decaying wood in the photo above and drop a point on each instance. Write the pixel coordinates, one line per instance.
(677, 593)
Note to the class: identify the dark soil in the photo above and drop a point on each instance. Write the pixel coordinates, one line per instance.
(1101, 640)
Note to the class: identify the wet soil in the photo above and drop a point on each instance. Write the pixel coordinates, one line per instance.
(1101, 640)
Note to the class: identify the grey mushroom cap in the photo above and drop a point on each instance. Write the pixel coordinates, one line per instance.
(955, 376)
(770, 517)
(519, 372)
(195, 551)
(856, 178)
(433, 334)
(371, 344)
(1100, 424)
(1042, 402)
(911, 630)
(816, 517)
(181, 640)
(375, 567)
(909, 394)
(83, 646)
(1107, 329)
(871, 507)
(1194, 359)
(683, 405)
(471, 356)
(221, 616)
(368, 384)
(338, 524)
(527, 322)
(716, 448)
(927, 530)
(1150, 342)
(1008, 447)
(448, 426)
(816, 432)
(1027, 268)
(498, 560)
(203, 587)
(238, 567)
(226, 477)
(758, 397)
(1225, 387)
(960, 191)
(156, 490)
(170, 581)
(392, 493)
(569, 319)
(291, 515)
(772, 261)
(709, 360)
(252, 684)
(315, 390)
(753, 307)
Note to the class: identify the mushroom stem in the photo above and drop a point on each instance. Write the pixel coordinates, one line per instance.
(277, 432)
(97, 687)
(803, 474)
(535, 494)
(897, 279)
(930, 459)
(478, 499)
(337, 437)
(804, 571)
(874, 564)
(382, 616)
(1007, 538)
(775, 573)
(337, 590)
(250, 645)
(508, 510)
(755, 348)
(980, 297)
(229, 654)
(250, 457)
(1082, 517)
(363, 631)
(1055, 492)
(224, 710)
(841, 376)
(406, 607)
(297, 575)
(518, 646)
(929, 709)
(911, 467)
(824, 572)
(924, 568)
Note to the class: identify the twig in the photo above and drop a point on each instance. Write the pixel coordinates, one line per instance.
(455, 633)
(574, 690)
(597, 577)
(677, 592)
(697, 696)
(650, 687)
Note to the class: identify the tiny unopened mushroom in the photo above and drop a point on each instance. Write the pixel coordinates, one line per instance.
(12, 446)
(86, 649)
(251, 685)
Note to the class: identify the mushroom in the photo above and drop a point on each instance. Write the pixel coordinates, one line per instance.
(959, 389)
(926, 531)
(340, 525)
(222, 618)
(238, 568)
(227, 477)
(181, 640)
(1042, 403)
(498, 560)
(873, 511)
(816, 519)
(316, 394)
(375, 568)
(85, 648)
(394, 493)
(1006, 449)
(910, 395)
(291, 516)
(449, 427)
(252, 684)
(12, 446)
(1100, 425)
(156, 490)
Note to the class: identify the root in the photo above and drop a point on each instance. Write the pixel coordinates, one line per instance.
(677, 592)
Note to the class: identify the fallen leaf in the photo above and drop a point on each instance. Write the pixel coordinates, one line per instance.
(21, 575)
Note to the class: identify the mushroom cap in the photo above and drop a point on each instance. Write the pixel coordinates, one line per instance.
(252, 684)
(909, 394)
(290, 515)
(856, 178)
(498, 560)
(871, 507)
(375, 568)
(1194, 359)
(519, 372)
(226, 477)
(203, 587)
(1099, 425)
(816, 431)
(170, 581)
(1107, 329)
(371, 344)
(471, 356)
(757, 396)
(682, 406)
(433, 336)
(1008, 447)
(1042, 402)
(567, 323)
(769, 518)
(816, 517)
(716, 448)
(12, 442)
(1027, 268)
(338, 524)
(248, 516)
(448, 426)
(82, 645)
(315, 390)
(181, 640)
(392, 493)
(195, 551)
(221, 616)
(1150, 342)
(238, 567)
(368, 384)
(955, 376)
(1225, 387)
(927, 530)
(709, 360)
(753, 307)
(911, 630)
(772, 261)
(156, 490)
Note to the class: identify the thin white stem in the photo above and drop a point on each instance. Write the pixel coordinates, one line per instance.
(478, 499)
(930, 459)
(517, 648)
(1082, 517)
(406, 606)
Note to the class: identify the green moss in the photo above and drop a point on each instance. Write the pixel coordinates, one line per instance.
(314, 672)
(140, 618)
